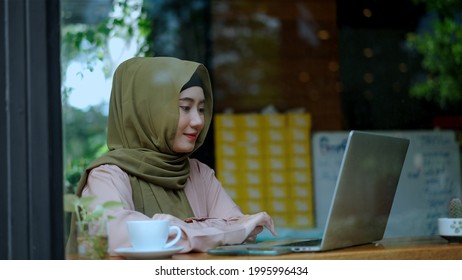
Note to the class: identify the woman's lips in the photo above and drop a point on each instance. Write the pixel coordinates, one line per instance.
(191, 136)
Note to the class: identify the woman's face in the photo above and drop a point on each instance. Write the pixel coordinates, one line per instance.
(191, 121)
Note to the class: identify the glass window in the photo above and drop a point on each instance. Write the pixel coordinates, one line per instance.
(367, 65)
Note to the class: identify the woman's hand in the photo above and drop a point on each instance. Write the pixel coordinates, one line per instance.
(255, 224)
(252, 237)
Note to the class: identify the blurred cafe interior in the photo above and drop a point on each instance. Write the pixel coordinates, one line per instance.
(283, 73)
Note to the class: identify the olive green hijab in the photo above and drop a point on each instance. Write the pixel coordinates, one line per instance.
(142, 122)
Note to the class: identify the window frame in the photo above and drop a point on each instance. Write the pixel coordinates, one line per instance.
(31, 179)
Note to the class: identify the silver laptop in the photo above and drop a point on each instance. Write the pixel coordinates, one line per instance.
(363, 196)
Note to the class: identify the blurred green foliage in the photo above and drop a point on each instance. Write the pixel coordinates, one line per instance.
(85, 130)
(441, 50)
(85, 139)
(88, 43)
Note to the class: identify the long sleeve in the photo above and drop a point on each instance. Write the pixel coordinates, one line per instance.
(225, 222)
(206, 194)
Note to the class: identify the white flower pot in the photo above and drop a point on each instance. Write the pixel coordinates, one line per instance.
(450, 229)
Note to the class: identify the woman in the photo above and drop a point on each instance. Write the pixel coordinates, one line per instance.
(160, 111)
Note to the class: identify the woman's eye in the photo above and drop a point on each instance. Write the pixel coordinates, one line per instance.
(202, 110)
(185, 108)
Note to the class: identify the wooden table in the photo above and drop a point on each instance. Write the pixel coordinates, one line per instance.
(408, 248)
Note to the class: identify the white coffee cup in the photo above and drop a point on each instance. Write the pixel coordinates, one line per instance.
(152, 234)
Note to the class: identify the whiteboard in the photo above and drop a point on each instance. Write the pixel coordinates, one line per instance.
(430, 177)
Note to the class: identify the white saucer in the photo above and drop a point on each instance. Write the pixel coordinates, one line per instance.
(132, 253)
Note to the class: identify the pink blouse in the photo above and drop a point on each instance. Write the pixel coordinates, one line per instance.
(203, 190)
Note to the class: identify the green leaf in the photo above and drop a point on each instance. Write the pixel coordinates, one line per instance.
(69, 201)
(112, 204)
(86, 201)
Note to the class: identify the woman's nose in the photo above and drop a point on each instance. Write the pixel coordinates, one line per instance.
(196, 118)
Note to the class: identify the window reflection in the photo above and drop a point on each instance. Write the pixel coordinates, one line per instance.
(348, 65)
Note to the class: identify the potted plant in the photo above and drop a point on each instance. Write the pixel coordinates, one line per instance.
(90, 225)
(450, 228)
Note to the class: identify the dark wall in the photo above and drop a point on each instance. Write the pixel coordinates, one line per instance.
(31, 221)
(377, 67)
